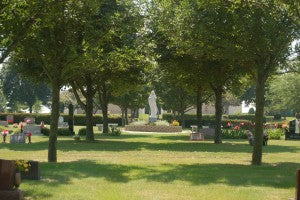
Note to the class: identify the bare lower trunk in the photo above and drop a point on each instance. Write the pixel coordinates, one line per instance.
(89, 110)
(259, 118)
(104, 108)
(71, 118)
(218, 114)
(52, 152)
(199, 108)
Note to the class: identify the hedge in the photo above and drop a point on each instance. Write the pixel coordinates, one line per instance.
(79, 119)
(209, 120)
(60, 132)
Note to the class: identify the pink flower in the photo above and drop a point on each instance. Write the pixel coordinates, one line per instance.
(28, 134)
(28, 121)
(228, 124)
(242, 124)
(236, 128)
(5, 132)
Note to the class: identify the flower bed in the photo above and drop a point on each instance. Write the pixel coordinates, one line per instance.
(149, 128)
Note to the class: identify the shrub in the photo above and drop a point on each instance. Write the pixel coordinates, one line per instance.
(277, 117)
(45, 131)
(139, 123)
(161, 123)
(82, 132)
(114, 132)
(2, 128)
(175, 123)
(234, 134)
(17, 131)
(64, 132)
(79, 119)
(275, 134)
(251, 111)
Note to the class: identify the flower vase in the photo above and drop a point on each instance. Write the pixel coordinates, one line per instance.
(17, 181)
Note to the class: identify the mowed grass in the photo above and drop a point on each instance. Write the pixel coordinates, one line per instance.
(158, 166)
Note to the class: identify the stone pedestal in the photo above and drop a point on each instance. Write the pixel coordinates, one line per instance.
(34, 171)
(34, 129)
(4, 123)
(11, 195)
(197, 136)
(17, 139)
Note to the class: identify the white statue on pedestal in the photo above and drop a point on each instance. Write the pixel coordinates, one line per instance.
(153, 107)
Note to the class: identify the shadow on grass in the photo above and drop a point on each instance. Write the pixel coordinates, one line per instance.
(280, 176)
(115, 145)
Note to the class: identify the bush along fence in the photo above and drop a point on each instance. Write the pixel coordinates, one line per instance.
(79, 119)
(209, 120)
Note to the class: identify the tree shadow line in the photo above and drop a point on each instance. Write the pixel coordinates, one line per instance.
(281, 175)
(123, 145)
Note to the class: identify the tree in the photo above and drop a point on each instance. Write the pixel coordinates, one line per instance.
(264, 32)
(284, 94)
(190, 28)
(52, 45)
(18, 89)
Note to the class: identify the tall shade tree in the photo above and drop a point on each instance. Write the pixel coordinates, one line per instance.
(264, 32)
(189, 27)
(18, 89)
(52, 44)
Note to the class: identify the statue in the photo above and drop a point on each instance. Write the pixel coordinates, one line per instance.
(153, 107)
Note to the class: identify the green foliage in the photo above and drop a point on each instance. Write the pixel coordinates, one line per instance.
(17, 89)
(17, 131)
(234, 134)
(114, 131)
(161, 123)
(275, 134)
(64, 132)
(79, 119)
(283, 93)
(2, 128)
(251, 111)
(45, 131)
(82, 132)
(139, 123)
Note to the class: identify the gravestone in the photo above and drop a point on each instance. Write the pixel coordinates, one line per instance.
(29, 120)
(17, 138)
(34, 129)
(61, 122)
(100, 127)
(10, 119)
(208, 133)
(34, 171)
(8, 183)
(4, 123)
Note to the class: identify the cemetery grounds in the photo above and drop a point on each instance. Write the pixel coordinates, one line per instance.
(158, 166)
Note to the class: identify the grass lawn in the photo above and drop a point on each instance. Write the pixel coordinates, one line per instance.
(157, 166)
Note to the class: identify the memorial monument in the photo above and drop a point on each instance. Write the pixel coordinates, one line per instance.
(153, 107)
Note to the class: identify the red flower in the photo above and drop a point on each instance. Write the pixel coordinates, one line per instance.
(29, 134)
(236, 128)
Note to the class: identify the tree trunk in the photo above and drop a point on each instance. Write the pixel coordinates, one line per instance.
(52, 153)
(89, 109)
(104, 108)
(30, 108)
(199, 107)
(218, 114)
(123, 116)
(182, 118)
(126, 116)
(259, 119)
(71, 118)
